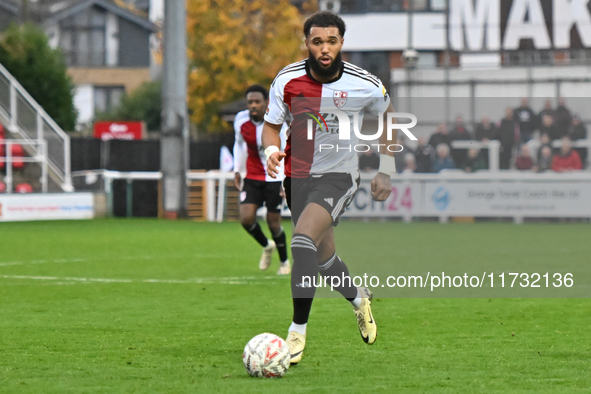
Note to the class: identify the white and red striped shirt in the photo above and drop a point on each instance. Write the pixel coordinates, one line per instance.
(248, 149)
(353, 91)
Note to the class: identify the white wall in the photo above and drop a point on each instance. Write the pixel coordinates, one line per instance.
(428, 102)
(84, 103)
(389, 32)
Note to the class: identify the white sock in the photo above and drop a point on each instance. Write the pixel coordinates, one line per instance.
(284, 263)
(299, 328)
(357, 301)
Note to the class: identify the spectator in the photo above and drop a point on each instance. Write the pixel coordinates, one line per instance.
(547, 110)
(577, 131)
(545, 159)
(369, 161)
(562, 117)
(486, 130)
(410, 164)
(459, 133)
(568, 159)
(424, 156)
(544, 141)
(524, 161)
(474, 161)
(508, 131)
(443, 160)
(440, 136)
(399, 157)
(549, 127)
(2, 149)
(526, 119)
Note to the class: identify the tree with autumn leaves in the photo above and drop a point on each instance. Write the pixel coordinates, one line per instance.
(233, 44)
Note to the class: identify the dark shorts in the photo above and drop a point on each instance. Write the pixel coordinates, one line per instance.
(259, 192)
(334, 192)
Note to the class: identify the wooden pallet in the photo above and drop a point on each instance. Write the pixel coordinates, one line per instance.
(197, 200)
(232, 202)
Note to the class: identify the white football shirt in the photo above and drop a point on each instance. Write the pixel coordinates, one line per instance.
(295, 97)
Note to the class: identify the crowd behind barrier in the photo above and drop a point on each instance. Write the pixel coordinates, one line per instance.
(553, 139)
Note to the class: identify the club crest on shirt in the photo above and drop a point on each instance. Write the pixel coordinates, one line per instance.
(340, 98)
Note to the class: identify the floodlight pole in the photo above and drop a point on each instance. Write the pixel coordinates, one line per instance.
(447, 62)
(409, 46)
(174, 147)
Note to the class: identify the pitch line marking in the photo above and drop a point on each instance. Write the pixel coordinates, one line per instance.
(233, 280)
(130, 258)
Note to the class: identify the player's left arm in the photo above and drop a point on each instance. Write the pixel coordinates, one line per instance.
(381, 185)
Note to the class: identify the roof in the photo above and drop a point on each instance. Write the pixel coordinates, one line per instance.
(9, 6)
(77, 6)
(48, 11)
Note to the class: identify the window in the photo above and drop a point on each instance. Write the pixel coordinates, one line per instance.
(528, 58)
(142, 5)
(427, 60)
(438, 5)
(580, 56)
(386, 5)
(364, 6)
(82, 38)
(107, 98)
(418, 5)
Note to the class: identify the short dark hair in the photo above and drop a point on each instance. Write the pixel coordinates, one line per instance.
(324, 19)
(257, 88)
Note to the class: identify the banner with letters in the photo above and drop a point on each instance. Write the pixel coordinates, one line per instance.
(24, 207)
(427, 195)
(496, 198)
(403, 201)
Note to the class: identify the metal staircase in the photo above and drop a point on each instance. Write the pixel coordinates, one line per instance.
(25, 119)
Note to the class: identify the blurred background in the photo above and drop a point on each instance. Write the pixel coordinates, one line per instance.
(499, 87)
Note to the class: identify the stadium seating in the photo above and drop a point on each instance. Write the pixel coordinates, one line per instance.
(18, 153)
(24, 188)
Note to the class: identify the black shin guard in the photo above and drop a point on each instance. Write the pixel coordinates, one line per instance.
(337, 269)
(281, 245)
(257, 233)
(303, 275)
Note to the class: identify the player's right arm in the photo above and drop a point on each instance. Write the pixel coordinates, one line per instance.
(277, 113)
(272, 143)
(240, 151)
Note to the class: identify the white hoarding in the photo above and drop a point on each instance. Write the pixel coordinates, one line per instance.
(496, 198)
(23, 207)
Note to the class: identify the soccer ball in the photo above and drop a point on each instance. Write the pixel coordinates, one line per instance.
(266, 355)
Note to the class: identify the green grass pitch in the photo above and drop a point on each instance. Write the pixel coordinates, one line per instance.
(131, 305)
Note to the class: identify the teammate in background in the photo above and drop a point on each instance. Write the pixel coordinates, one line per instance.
(258, 187)
(319, 185)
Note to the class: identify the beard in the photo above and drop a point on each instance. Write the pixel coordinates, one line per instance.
(326, 72)
(258, 117)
